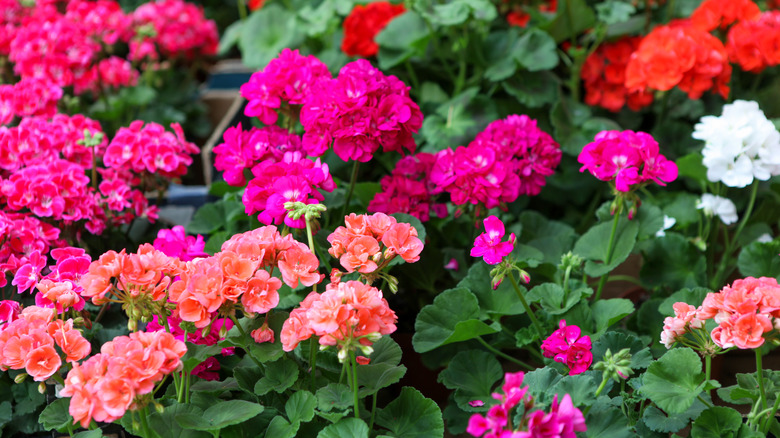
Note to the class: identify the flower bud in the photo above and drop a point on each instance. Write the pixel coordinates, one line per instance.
(374, 336)
(342, 355)
(42, 388)
(20, 378)
(615, 366)
(132, 325)
(366, 349)
(158, 407)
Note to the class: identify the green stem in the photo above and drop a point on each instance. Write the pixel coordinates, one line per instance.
(313, 363)
(502, 354)
(353, 364)
(768, 421)
(726, 258)
(525, 305)
(707, 368)
(760, 378)
(352, 182)
(373, 411)
(242, 13)
(243, 335)
(412, 76)
(144, 424)
(610, 251)
(601, 387)
(705, 402)
(566, 280)
(310, 236)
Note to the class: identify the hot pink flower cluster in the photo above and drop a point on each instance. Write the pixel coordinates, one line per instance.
(172, 28)
(348, 314)
(683, 321)
(241, 273)
(106, 385)
(744, 311)
(369, 243)
(489, 246)
(28, 342)
(289, 78)
(29, 97)
(242, 150)
(511, 157)
(563, 420)
(61, 287)
(175, 242)
(358, 112)
(150, 148)
(628, 158)
(294, 179)
(409, 189)
(566, 345)
(24, 239)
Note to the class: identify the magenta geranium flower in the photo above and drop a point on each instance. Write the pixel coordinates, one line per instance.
(566, 345)
(489, 246)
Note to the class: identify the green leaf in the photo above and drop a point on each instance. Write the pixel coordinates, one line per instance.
(657, 421)
(614, 11)
(6, 415)
(760, 259)
(54, 416)
(300, 406)
(230, 37)
(572, 17)
(220, 415)
(440, 323)
(197, 353)
(27, 398)
(473, 374)
(717, 422)
(694, 297)
(386, 351)
(501, 301)
(281, 428)
(579, 387)
(405, 36)
(166, 421)
(450, 14)
(606, 421)
(594, 246)
(214, 216)
(551, 297)
(317, 19)
(568, 117)
(334, 396)
(682, 208)
(691, 165)
(674, 381)
(536, 51)
(273, 28)
(412, 415)
(95, 433)
(673, 262)
(279, 376)
(539, 382)
(608, 312)
(525, 336)
(345, 428)
(532, 89)
(373, 377)
(650, 219)
(552, 238)
(247, 377)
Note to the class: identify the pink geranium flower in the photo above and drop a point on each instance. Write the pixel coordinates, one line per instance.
(566, 345)
(489, 246)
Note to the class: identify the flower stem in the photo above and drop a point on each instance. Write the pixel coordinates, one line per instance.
(353, 364)
(768, 420)
(373, 411)
(726, 258)
(707, 368)
(760, 378)
(352, 182)
(502, 354)
(144, 425)
(243, 335)
(242, 13)
(310, 236)
(528, 309)
(601, 387)
(610, 251)
(313, 363)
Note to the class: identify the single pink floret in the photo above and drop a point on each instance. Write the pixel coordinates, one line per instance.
(489, 246)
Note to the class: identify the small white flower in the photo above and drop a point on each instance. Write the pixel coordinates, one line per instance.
(764, 238)
(741, 145)
(718, 206)
(668, 223)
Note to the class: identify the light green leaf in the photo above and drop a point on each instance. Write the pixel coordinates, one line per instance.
(536, 51)
(594, 246)
(473, 374)
(614, 11)
(279, 376)
(411, 415)
(551, 297)
(501, 301)
(281, 428)
(608, 312)
(54, 416)
(300, 406)
(220, 415)
(345, 428)
(230, 37)
(273, 28)
(572, 17)
(760, 259)
(447, 320)
(717, 422)
(691, 166)
(334, 396)
(674, 381)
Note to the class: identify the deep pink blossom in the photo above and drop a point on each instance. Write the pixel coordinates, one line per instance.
(489, 245)
(176, 243)
(566, 345)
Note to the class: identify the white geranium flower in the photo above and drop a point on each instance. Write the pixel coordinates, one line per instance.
(739, 146)
(764, 238)
(718, 206)
(668, 223)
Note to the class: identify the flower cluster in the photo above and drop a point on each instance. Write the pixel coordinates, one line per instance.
(369, 242)
(741, 145)
(628, 158)
(565, 345)
(172, 28)
(243, 150)
(718, 206)
(288, 78)
(489, 245)
(61, 287)
(150, 148)
(364, 23)
(604, 74)
(28, 341)
(744, 311)
(755, 44)
(175, 242)
(349, 315)
(714, 14)
(679, 55)
(108, 384)
(29, 97)
(25, 242)
(358, 112)
(511, 157)
(241, 274)
(563, 420)
(409, 189)
(293, 179)
(683, 321)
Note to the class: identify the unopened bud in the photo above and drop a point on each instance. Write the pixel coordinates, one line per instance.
(392, 283)
(342, 355)
(20, 378)
(42, 388)
(525, 277)
(158, 407)
(374, 336)
(632, 212)
(223, 331)
(132, 325)
(78, 320)
(367, 349)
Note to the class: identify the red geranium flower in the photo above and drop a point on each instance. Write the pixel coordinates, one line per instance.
(363, 24)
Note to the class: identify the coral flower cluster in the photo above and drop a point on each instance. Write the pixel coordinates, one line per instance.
(511, 157)
(604, 74)
(563, 420)
(108, 384)
(369, 242)
(364, 23)
(358, 112)
(628, 159)
(287, 79)
(30, 340)
(566, 345)
(241, 274)
(349, 315)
